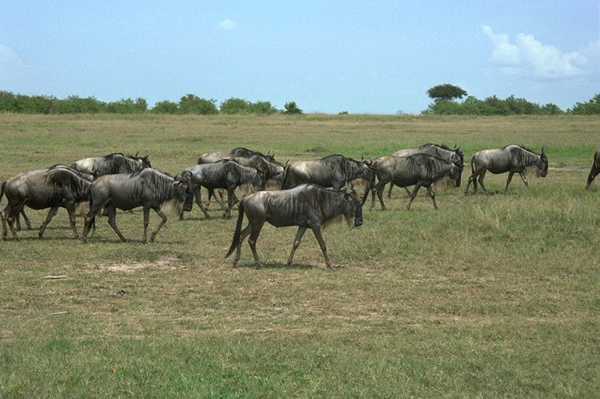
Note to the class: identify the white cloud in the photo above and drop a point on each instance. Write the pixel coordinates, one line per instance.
(227, 24)
(528, 56)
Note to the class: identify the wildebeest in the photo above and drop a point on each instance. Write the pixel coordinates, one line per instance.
(334, 171)
(305, 206)
(455, 155)
(225, 174)
(512, 159)
(148, 188)
(112, 164)
(419, 170)
(594, 171)
(21, 214)
(56, 187)
(247, 153)
(270, 168)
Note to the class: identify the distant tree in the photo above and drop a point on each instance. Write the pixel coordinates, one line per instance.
(446, 92)
(262, 107)
(343, 113)
(235, 106)
(165, 107)
(191, 104)
(551, 109)
(588, 108)
(291, 108)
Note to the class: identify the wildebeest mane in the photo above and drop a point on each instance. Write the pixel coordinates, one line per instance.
(161, 183)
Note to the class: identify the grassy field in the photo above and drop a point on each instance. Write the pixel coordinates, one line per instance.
(491, 296)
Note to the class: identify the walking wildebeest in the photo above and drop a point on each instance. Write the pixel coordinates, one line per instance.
(595, 169)
(306, 206)
(455, 155)
(148, 188)
(334, 171)
(225, 174)
(56, 187)
(271, 169)
(112, 164)
(419, 170)
(512, 159)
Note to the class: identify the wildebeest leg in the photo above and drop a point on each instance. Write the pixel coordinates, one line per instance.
(380, 188)
(413, 195)
(254, 233)
(11, 214)
(390, 190)
(161, 224)
(51, 213)
(3, 221)
(591, 177)
(199, 203)
(112, 220)
(296, 244)
(524, 178)
(471, 180)
(238, 251)
(432, 195)
(71, 210)
(146, 223)
(317, 232)
(230, 196)
(26, 219)
(510, 175)
(481, 177)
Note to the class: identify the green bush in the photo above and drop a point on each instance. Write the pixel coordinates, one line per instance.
(291, 108)
(235, 106)
(165, 107)
(588, 108)
(191, 104)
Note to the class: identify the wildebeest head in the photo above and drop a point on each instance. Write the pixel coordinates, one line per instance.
(145, 160)
(455, 173)
(181, 185)
(542, 165)
(352, 208)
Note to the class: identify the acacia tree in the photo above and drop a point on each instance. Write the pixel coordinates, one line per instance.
(445, 92)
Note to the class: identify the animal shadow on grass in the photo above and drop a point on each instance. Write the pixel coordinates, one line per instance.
(282, 265)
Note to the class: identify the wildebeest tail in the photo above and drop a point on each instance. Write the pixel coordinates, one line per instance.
(2, 185)
(238, 229)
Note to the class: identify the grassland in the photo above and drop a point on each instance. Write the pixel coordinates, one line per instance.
(491, 296)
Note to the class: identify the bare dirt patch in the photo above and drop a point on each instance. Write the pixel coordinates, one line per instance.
(164, 263)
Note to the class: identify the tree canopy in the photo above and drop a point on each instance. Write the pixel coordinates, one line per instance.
(446, 92)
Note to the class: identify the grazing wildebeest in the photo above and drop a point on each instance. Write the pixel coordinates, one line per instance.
(56, 187)
(455, 155)
(306, 206)
(148, 188)
(334, 171)
(595, 169)
(112, 164)
(226, 174)
(419, 170)
(512, 159)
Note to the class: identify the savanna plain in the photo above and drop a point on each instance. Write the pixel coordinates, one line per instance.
(490, 296)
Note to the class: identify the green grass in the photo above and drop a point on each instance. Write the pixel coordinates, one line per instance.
(491, 296)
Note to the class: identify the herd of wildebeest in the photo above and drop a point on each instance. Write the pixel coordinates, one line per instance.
(307, 194)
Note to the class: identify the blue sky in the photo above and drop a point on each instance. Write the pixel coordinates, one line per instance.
(329, 56)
